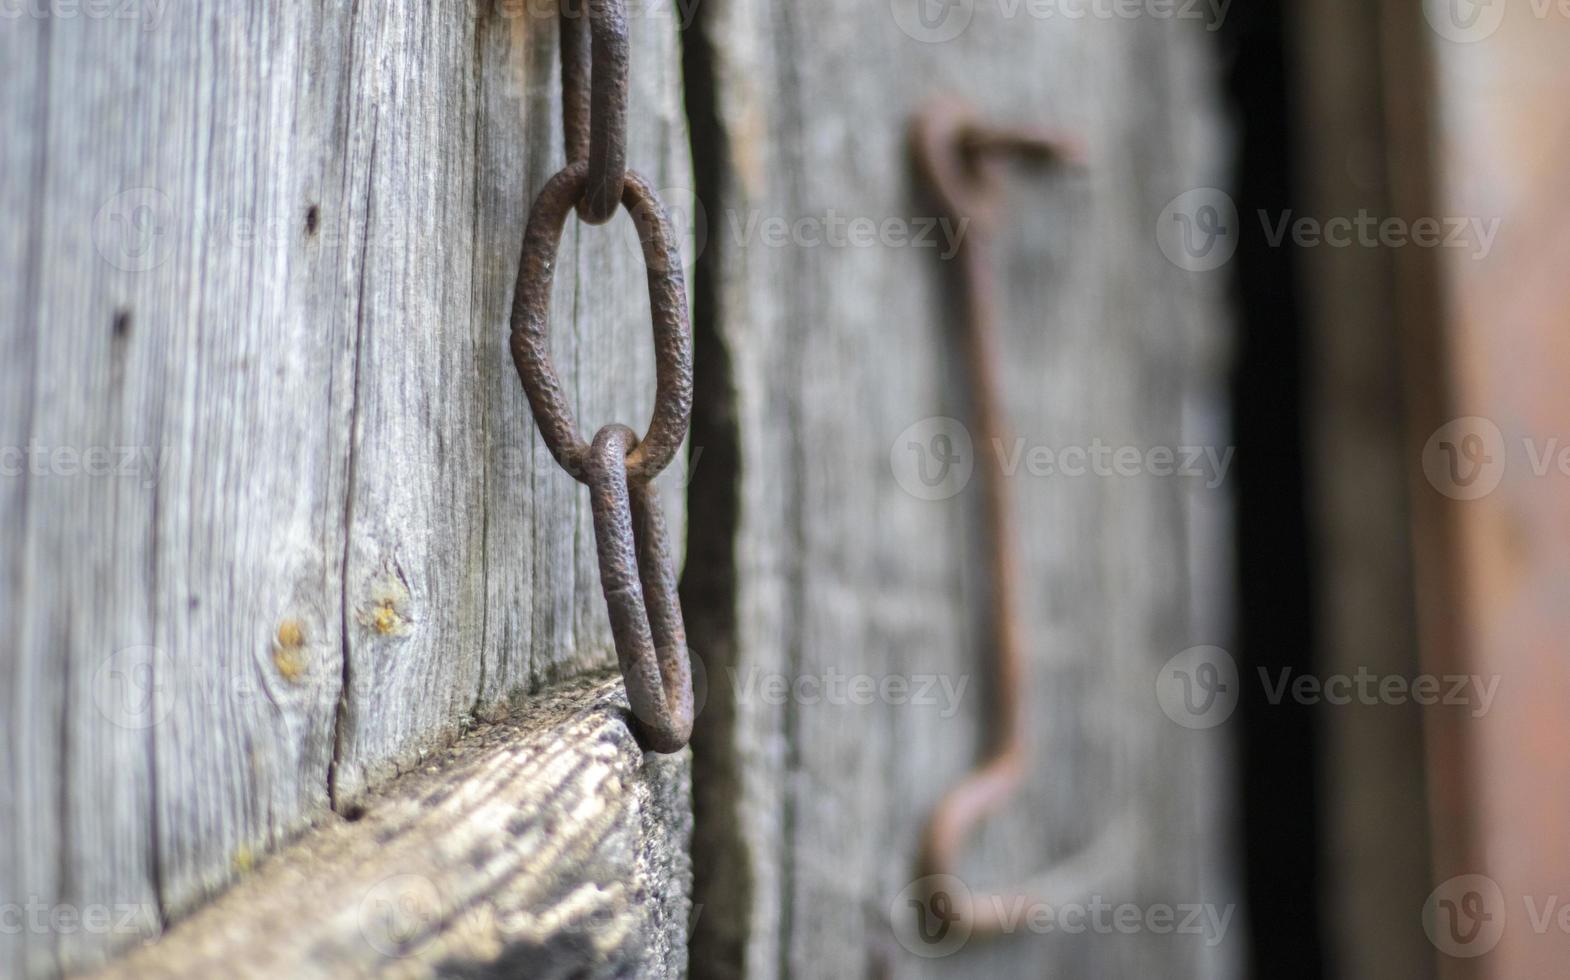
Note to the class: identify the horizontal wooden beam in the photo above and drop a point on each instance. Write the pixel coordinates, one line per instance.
(546, 845)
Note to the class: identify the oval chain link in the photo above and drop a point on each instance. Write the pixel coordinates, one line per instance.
(667, 302)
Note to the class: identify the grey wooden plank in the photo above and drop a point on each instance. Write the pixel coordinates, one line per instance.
(809, 806)
(272, 250)
(547, 845)
(150, 595)
(30, 769)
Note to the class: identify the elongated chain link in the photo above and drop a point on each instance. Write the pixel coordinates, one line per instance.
(629, 529)
(594, 75)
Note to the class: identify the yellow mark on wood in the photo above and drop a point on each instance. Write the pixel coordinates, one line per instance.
(387, 612)
(291, 633)
(384, 618)
(289, 654)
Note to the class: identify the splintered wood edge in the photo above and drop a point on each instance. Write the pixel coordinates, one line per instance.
(547, 845)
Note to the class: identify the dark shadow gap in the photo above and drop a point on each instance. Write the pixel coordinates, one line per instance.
(721, 881)
(1280, 804)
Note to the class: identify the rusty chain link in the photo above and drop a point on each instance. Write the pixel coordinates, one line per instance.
(667, 301)
(629, 529)
(958, 158)
(594, 71)
(640, 591)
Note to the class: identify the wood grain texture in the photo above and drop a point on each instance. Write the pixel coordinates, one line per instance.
(269, 252)
(809, 804)
(548, 846)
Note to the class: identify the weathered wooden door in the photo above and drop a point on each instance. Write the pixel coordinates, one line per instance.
(305, 667)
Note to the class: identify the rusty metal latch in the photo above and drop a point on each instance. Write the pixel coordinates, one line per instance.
(957, 157)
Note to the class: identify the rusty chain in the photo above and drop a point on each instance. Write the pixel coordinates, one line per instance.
(594, 71)
(958, 158)
(635, 564)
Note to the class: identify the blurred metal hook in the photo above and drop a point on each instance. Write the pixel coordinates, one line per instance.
(959, 158)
